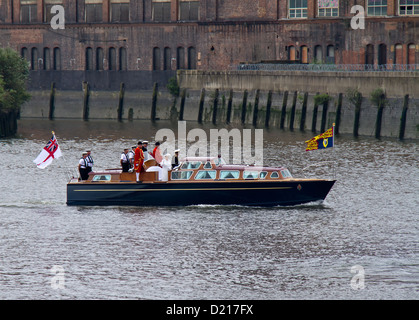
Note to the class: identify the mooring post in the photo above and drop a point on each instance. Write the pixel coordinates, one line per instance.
(403, 117)
(229, 106)
(201, 105)
(268, 109)
(121, 101)
(357, 115)
(154, 101)
(304, 112)
(324, 115)
(338, 113)
(215, 106)
(244, 106)
(86, 91)
(284, 109)
(52, 102)
(182, 104)
(256, 108)
(314, 119)
(294, 105)
(378, 120)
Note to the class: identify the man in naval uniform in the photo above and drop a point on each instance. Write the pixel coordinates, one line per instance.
(89, 161)
(125, 164)
(83, 167)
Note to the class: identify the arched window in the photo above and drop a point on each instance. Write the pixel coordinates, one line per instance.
(304, 54)
(89, 58)
(411, 53)
(369, 54)
(99, 59)
(382, 54)
(123, 59)
(167, 59)
(191, 58)
(57, 59)
(180, 58)
(330, 52)
(112, 59)
(47, 59)
(398, 54)
(34, 59)
(24, 53)
(318, 54)
(156, 59)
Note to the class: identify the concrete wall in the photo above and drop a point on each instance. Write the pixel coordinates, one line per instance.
(396, 84)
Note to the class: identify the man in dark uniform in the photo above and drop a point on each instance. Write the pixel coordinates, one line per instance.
(89, 161)
(83, 167)
(125, 161)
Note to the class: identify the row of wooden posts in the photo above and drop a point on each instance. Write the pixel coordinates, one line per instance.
(215, 102)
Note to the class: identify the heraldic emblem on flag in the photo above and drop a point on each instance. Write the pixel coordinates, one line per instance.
(50, 152)
(322, 141)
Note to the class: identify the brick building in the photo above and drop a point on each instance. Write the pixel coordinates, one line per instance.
(119, 35)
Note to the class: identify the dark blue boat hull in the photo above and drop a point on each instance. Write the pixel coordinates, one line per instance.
(281, 193)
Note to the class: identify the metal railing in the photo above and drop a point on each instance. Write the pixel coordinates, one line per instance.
(326, 67)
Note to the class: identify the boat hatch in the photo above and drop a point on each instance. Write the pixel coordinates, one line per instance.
(286, 174)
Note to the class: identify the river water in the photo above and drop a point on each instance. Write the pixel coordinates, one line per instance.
(368, 224)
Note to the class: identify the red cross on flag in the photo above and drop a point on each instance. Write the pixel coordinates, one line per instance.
(50, 152)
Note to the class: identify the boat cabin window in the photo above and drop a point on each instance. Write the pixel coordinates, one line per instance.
(286, 174)
(207, 174)
(250, 174)
(102, 177)
(181, 175)
(208, 165)
(274, 175)
(191, 165)
(263, 174)
(229, 174)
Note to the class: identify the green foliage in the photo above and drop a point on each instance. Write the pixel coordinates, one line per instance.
(14, 72)
(354, 96)
(173, 87)
(378, 97)
(320, 99)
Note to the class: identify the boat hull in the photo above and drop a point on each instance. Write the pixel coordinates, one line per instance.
(252, 193)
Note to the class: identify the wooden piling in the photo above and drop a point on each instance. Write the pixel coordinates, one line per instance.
(256, 108)
(304, 112)
(86, 92)
(229, 106)
(357, 116)
(268, 109)
(378, 120)
(201, 105)
(154, 102)
(244, 106)
(293, 107)
(324, 116)
(284, 110)
(121, 101)
(182, 104)
(215, 106)
(338, 113)
(403, 117)
(52, 102)
(314, 119)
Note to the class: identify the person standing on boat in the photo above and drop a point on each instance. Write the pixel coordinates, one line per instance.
(138, 160)
(125, 161)
(157, 154)
(84, 167)
(166, 165)
(175, 160)
(131, 155)
(89, 161)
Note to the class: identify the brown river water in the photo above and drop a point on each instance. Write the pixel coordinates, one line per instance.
(368, 222)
